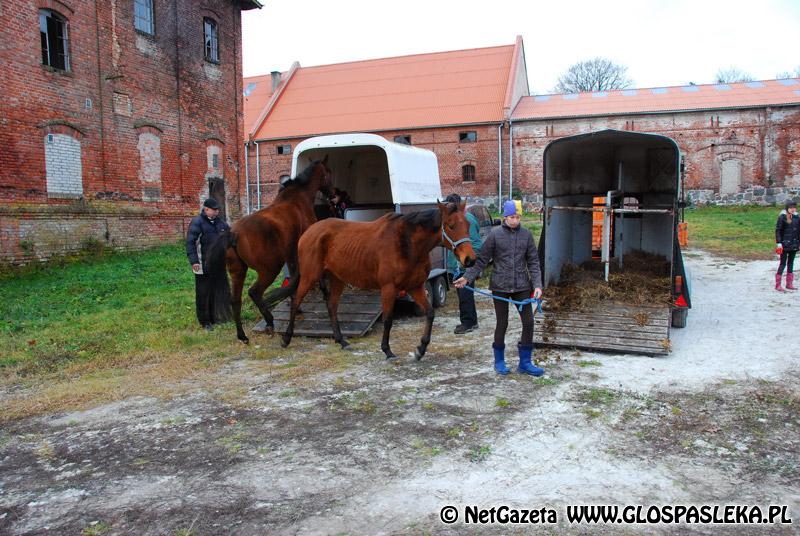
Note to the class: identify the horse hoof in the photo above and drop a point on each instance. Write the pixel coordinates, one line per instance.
(418, 354)
(345, 345)
(270, 332)
(244, 340)
(390, 355)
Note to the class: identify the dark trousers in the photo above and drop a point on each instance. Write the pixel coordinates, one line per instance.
(787, 261)
(204, 299)
(501, 312)
(466, 307)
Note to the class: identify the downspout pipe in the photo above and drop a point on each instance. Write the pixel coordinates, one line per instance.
(510, 158)
(500, 167)
(258, 178)
(247, 176)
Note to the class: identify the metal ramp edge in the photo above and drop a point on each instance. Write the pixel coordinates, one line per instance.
(358, 312)
(609, 328)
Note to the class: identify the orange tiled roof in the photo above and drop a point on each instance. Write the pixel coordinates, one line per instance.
(257, 94)
(423, 90)
(664, 99)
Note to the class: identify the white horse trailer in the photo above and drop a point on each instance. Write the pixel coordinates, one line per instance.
(380, 177)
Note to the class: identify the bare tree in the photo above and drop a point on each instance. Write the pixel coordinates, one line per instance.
(732, 74)
(598, 74)
(789, 74)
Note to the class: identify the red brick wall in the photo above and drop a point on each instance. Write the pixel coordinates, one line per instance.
(764, 142)
(451, 155)
(135, 83)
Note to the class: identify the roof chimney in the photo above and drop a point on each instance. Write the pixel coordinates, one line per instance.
(276, 80)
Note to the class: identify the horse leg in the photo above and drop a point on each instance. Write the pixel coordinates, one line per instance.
(388, 295)
(332, 290)
(256, 293)
(302, 289)
(423, 300)
(238, 271)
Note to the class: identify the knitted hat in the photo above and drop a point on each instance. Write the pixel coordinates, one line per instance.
(211, 203)
(509, 208)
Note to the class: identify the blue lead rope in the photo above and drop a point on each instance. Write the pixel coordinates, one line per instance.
(520, 304)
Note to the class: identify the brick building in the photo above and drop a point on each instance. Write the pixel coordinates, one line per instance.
(456, 104)
(740, 142)
(118, 118)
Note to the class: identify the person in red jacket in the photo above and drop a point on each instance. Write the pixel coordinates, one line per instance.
(787, 242)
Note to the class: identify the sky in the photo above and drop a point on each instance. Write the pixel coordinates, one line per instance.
(661, 42)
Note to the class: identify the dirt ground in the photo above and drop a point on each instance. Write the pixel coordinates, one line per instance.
(277, 447)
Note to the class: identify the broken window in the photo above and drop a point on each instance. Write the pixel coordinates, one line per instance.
(284, 149)
(211, 35)
(55, 42)
(467, 137)
(403, 139)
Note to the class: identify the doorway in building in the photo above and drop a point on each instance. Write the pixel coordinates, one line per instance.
(216, 190)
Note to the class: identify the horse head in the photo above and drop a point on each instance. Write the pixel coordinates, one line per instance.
(323, 174)
(455, 232)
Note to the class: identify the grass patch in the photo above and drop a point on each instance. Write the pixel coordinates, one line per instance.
(740, 232)
(588, 363)
(103, 328)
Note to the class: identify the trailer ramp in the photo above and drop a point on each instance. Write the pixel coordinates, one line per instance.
(607, 328)
(358, 312)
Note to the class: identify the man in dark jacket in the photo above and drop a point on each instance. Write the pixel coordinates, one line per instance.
(203, 231)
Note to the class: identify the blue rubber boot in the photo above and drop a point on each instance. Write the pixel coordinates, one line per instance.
(500, 360)
(525, 365)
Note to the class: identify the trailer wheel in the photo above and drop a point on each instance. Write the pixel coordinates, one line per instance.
(439, 295)
(679, 317)
(419, 310)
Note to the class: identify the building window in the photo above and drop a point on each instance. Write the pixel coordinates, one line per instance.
(284, 149)
(211, 40)
(403, 139)
(143, 16)
(468, 173)
(215, 161)
(55, 41)
(467, 137)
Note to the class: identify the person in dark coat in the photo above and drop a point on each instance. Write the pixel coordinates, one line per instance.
(203, 231)
(466, 299)
(787, 242)
(515, 274)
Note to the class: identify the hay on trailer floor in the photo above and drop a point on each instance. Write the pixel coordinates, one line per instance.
(643, 280)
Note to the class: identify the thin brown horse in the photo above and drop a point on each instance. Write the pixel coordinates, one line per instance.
(391, 253)
(266, 240)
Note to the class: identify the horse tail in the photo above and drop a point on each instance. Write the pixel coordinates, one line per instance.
(215, 267)
(274, 296)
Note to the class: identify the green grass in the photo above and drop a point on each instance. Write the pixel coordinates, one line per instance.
(738, 232)
(110, 306)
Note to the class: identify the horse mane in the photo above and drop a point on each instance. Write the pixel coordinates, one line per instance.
(428, 219)
(302, 178)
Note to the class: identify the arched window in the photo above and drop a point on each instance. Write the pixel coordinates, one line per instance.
(211, 35)
(468, 173)
(53, 29)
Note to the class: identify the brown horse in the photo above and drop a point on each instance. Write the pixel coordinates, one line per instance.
(391, 253)
(266, 240)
